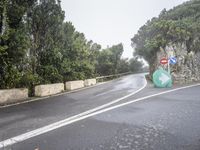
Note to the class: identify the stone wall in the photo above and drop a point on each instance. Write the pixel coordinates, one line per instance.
(73, 85)
(13, 95)
(187, 69)
(16, 95)
(49, 89)
(90, 82)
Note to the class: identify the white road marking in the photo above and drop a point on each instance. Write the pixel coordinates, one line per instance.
(65, 122)
(62, 123)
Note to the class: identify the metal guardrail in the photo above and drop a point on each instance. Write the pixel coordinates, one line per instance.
(101, 78)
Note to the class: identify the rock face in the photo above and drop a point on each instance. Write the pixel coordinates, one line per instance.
(187, 68)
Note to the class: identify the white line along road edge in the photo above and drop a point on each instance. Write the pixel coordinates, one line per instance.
(58, 124)
(65, 122)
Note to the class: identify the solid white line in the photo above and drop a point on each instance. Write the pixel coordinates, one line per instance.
(56, 125)
(62, 123)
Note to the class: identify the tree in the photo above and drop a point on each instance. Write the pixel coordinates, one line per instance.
(45, 21)
(123, 66)
(117, 51)
(79, 55)
(13, 41)
(38, 47)
(104, 63)
(108, 60)
(135, 65)
(180, 24)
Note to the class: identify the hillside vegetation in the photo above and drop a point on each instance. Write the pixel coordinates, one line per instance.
(178, 25)
(37, 47)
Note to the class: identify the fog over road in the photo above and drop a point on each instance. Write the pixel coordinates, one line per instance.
(169, 121)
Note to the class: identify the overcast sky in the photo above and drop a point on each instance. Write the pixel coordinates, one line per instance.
(110, 22)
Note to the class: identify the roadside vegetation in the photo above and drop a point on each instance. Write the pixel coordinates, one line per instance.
(178, 25)
(38, 47)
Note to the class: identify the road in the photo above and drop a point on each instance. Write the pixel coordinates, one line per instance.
(153, 119)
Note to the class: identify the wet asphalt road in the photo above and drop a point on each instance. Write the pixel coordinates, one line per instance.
(20, 119)
(167, 122)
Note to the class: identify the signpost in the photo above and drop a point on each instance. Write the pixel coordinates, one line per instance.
(172, 60)
(170, 53)
(162, 78)
(164, 61)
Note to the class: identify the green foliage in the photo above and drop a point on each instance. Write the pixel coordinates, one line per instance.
(38, 47)
(135, 65)
(180, 24)
(13, 42)
(10, 77)
(29, 80)
(79, 57)
(49, 74)
(104, 65)
(123, 66)
(45, 27)
(108, 60)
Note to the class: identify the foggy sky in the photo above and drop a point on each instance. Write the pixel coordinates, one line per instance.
(109, 22)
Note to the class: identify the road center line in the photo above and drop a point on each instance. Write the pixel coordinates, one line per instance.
(61, 123)
(65, 122)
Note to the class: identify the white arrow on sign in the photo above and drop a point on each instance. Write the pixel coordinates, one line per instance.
(172, 60)
(164, 78)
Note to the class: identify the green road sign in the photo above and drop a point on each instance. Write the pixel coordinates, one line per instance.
(162, 78)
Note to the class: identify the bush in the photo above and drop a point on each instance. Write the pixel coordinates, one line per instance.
(49, 74)
(29, 80)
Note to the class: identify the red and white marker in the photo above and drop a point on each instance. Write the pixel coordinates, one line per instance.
(164, 61)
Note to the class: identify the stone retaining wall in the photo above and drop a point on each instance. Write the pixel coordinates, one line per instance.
(13, 95)
(72, 85)
(90, 82)
(17, 95)
(49, 89)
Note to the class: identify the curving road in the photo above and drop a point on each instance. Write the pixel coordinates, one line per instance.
(19, 119)
(153, 119)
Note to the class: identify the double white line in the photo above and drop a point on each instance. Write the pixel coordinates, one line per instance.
(84, 115)
(64, 122)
